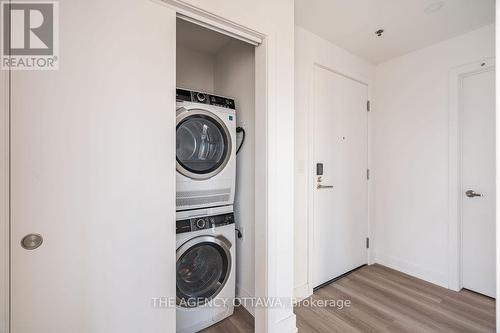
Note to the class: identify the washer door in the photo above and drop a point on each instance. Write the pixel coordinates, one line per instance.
(203, 144)
(203, 267)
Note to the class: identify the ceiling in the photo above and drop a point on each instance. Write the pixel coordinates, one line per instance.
(200, 39)
(351, 24)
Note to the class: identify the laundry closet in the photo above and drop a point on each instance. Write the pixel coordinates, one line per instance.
(215, 148)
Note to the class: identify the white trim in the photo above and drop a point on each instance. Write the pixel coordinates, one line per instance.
(261, 185)
(418, 271)
(214, 22)
(302, 292)
(243, 293)
(317, 64)
(311, 174)
(4, 204)
(310, 183)
(287, 324)
(497, 160)
(455, 160)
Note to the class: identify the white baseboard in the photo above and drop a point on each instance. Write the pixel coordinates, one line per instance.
(371, 257)
(240, 292)
(286, 325)
(439, 278)
(302, 292)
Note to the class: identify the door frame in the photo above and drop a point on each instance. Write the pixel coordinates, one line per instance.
(456, 76)
(311, 169)
(265, 283)
(5, 201)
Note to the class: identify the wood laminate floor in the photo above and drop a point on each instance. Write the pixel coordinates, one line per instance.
(384, 300)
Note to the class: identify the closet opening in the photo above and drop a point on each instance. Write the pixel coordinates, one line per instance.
(215, 188)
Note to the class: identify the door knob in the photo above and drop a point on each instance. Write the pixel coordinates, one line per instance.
(472, 194)
(31, 241)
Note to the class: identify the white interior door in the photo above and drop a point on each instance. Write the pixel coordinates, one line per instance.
(478, 176)
(340, 144)
(92, 172)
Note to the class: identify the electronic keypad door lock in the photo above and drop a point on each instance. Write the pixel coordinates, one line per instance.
(319, 169)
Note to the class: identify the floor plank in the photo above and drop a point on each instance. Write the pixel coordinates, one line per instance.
(385, 300)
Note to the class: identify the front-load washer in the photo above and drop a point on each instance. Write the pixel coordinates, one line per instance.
(205, 267)
(205, 150)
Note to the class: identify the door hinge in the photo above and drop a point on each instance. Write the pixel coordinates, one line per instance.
(367, 242)
(367, 174)
(368, 106)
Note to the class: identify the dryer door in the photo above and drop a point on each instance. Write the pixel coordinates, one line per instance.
(203, 144)
(203, 268)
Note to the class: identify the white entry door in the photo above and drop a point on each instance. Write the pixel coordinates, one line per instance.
(92, 173)
(340, 197)
(478, 182)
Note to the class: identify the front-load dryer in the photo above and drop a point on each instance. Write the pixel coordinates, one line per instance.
(205, 150)
(205, 267)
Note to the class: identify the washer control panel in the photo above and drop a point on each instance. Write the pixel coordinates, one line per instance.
(204, 98)
(205, 222)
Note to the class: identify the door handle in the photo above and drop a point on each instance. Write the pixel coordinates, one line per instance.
(472, 194)
(319, 186)
(31, 241)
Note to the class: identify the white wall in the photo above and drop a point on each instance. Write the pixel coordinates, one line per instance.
(410, 154)
(195, 69)
(310, 50)
(235, 77)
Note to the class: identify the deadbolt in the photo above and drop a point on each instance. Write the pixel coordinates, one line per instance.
(31, 241)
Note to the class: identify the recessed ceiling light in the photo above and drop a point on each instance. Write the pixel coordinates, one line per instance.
(434, 7)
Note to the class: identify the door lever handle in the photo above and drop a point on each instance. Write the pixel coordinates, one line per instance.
(472, 194)
(319, 186)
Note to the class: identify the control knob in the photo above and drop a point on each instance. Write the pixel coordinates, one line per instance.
(200, 224)
(201, 97)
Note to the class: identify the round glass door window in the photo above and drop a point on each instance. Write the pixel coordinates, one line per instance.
(202, 146)
(202, 271)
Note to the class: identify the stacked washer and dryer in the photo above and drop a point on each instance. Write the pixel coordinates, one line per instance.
(206, 178)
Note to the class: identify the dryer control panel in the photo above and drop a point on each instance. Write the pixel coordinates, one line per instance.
(204, 98)
(203, 222)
